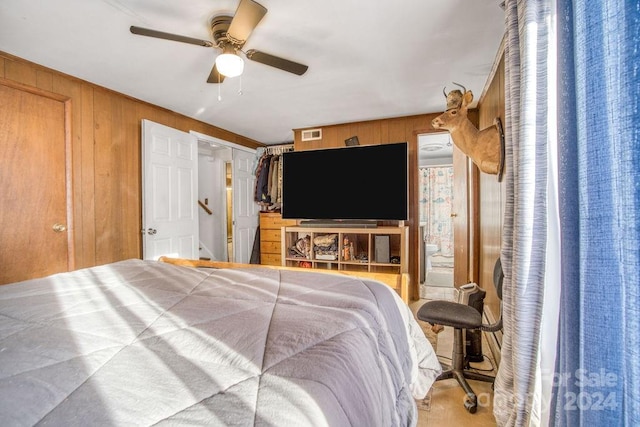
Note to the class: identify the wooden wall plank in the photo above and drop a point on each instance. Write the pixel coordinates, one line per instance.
(131, 162)
(491, 202)
(70, 89)
(44, 80)
(21, 73)
(106, 197)
(85, 161)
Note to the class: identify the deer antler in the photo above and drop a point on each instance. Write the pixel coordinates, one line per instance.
(464, 89)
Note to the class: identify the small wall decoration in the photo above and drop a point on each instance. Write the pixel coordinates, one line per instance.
(349, 142)
(484, 147)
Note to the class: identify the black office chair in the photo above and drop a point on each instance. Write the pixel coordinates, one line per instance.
(462, 317)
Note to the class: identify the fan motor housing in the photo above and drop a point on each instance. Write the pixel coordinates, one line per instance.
(219, 27)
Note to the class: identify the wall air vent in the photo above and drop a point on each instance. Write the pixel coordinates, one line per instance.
(311, 134)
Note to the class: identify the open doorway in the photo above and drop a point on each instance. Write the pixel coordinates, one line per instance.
(435, 200)
(228, 173)
(214, 190)
(226, 181)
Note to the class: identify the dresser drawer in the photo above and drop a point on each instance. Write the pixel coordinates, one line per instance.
(268, 235)
(270, 259)
(271, 224)
(274, 221)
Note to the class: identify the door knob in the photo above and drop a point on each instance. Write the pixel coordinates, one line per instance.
(59, 228)
(453, 215)
(152, 231)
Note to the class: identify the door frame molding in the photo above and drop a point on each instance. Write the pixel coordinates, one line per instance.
(209, 138)
(465, 224)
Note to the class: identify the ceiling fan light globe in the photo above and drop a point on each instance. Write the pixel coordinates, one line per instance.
(229, 65)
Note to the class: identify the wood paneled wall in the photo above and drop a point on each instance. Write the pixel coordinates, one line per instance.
(491, 201)
(106, 146)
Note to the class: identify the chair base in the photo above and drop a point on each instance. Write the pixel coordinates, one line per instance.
(457, 370)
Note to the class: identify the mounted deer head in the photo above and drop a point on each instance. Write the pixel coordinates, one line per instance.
(485, 147)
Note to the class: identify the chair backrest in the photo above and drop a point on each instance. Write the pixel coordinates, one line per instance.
(498, 277)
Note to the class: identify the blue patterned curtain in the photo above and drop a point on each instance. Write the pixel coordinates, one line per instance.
(598, 368)
(435, 187)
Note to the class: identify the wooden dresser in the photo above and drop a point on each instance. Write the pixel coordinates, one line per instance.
(270, 237)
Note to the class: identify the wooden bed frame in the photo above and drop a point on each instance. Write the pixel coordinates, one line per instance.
(399, 282)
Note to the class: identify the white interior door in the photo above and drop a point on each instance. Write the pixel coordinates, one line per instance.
(170, 189)
(245, 209)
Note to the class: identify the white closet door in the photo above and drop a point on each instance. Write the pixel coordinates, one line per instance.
(245, 209)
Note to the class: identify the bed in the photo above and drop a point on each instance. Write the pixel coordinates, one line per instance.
(158, 343)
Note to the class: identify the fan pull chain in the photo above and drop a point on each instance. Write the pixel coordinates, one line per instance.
(240, 86)
(219, 95)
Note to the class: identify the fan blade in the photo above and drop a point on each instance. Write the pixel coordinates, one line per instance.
(168, 36)
(277, 62)
(246, 18)
(215, 76)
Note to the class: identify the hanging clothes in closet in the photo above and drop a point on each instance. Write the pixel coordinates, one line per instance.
(268, 191)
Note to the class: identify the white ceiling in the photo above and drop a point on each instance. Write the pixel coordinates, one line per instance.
(367, 59)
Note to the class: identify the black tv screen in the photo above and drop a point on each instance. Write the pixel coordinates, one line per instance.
(366, 182)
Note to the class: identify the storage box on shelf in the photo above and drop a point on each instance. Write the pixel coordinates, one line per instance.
(271, 224)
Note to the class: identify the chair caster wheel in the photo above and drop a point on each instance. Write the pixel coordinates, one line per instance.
(470, 406)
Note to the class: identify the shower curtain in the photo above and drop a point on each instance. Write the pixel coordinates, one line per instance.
(436, 196)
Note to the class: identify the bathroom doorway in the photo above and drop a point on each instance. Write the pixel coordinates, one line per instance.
(435, 200)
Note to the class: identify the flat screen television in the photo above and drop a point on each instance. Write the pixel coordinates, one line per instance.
(358, 183)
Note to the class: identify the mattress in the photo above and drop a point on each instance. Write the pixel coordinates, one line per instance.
(149, 343)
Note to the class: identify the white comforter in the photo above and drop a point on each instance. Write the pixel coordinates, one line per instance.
(145, 343)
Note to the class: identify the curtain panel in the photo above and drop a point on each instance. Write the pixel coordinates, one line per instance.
(598, 371)
(571, 238)
(529, 140)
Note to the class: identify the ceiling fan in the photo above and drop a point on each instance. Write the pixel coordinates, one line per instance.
(230, 33)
